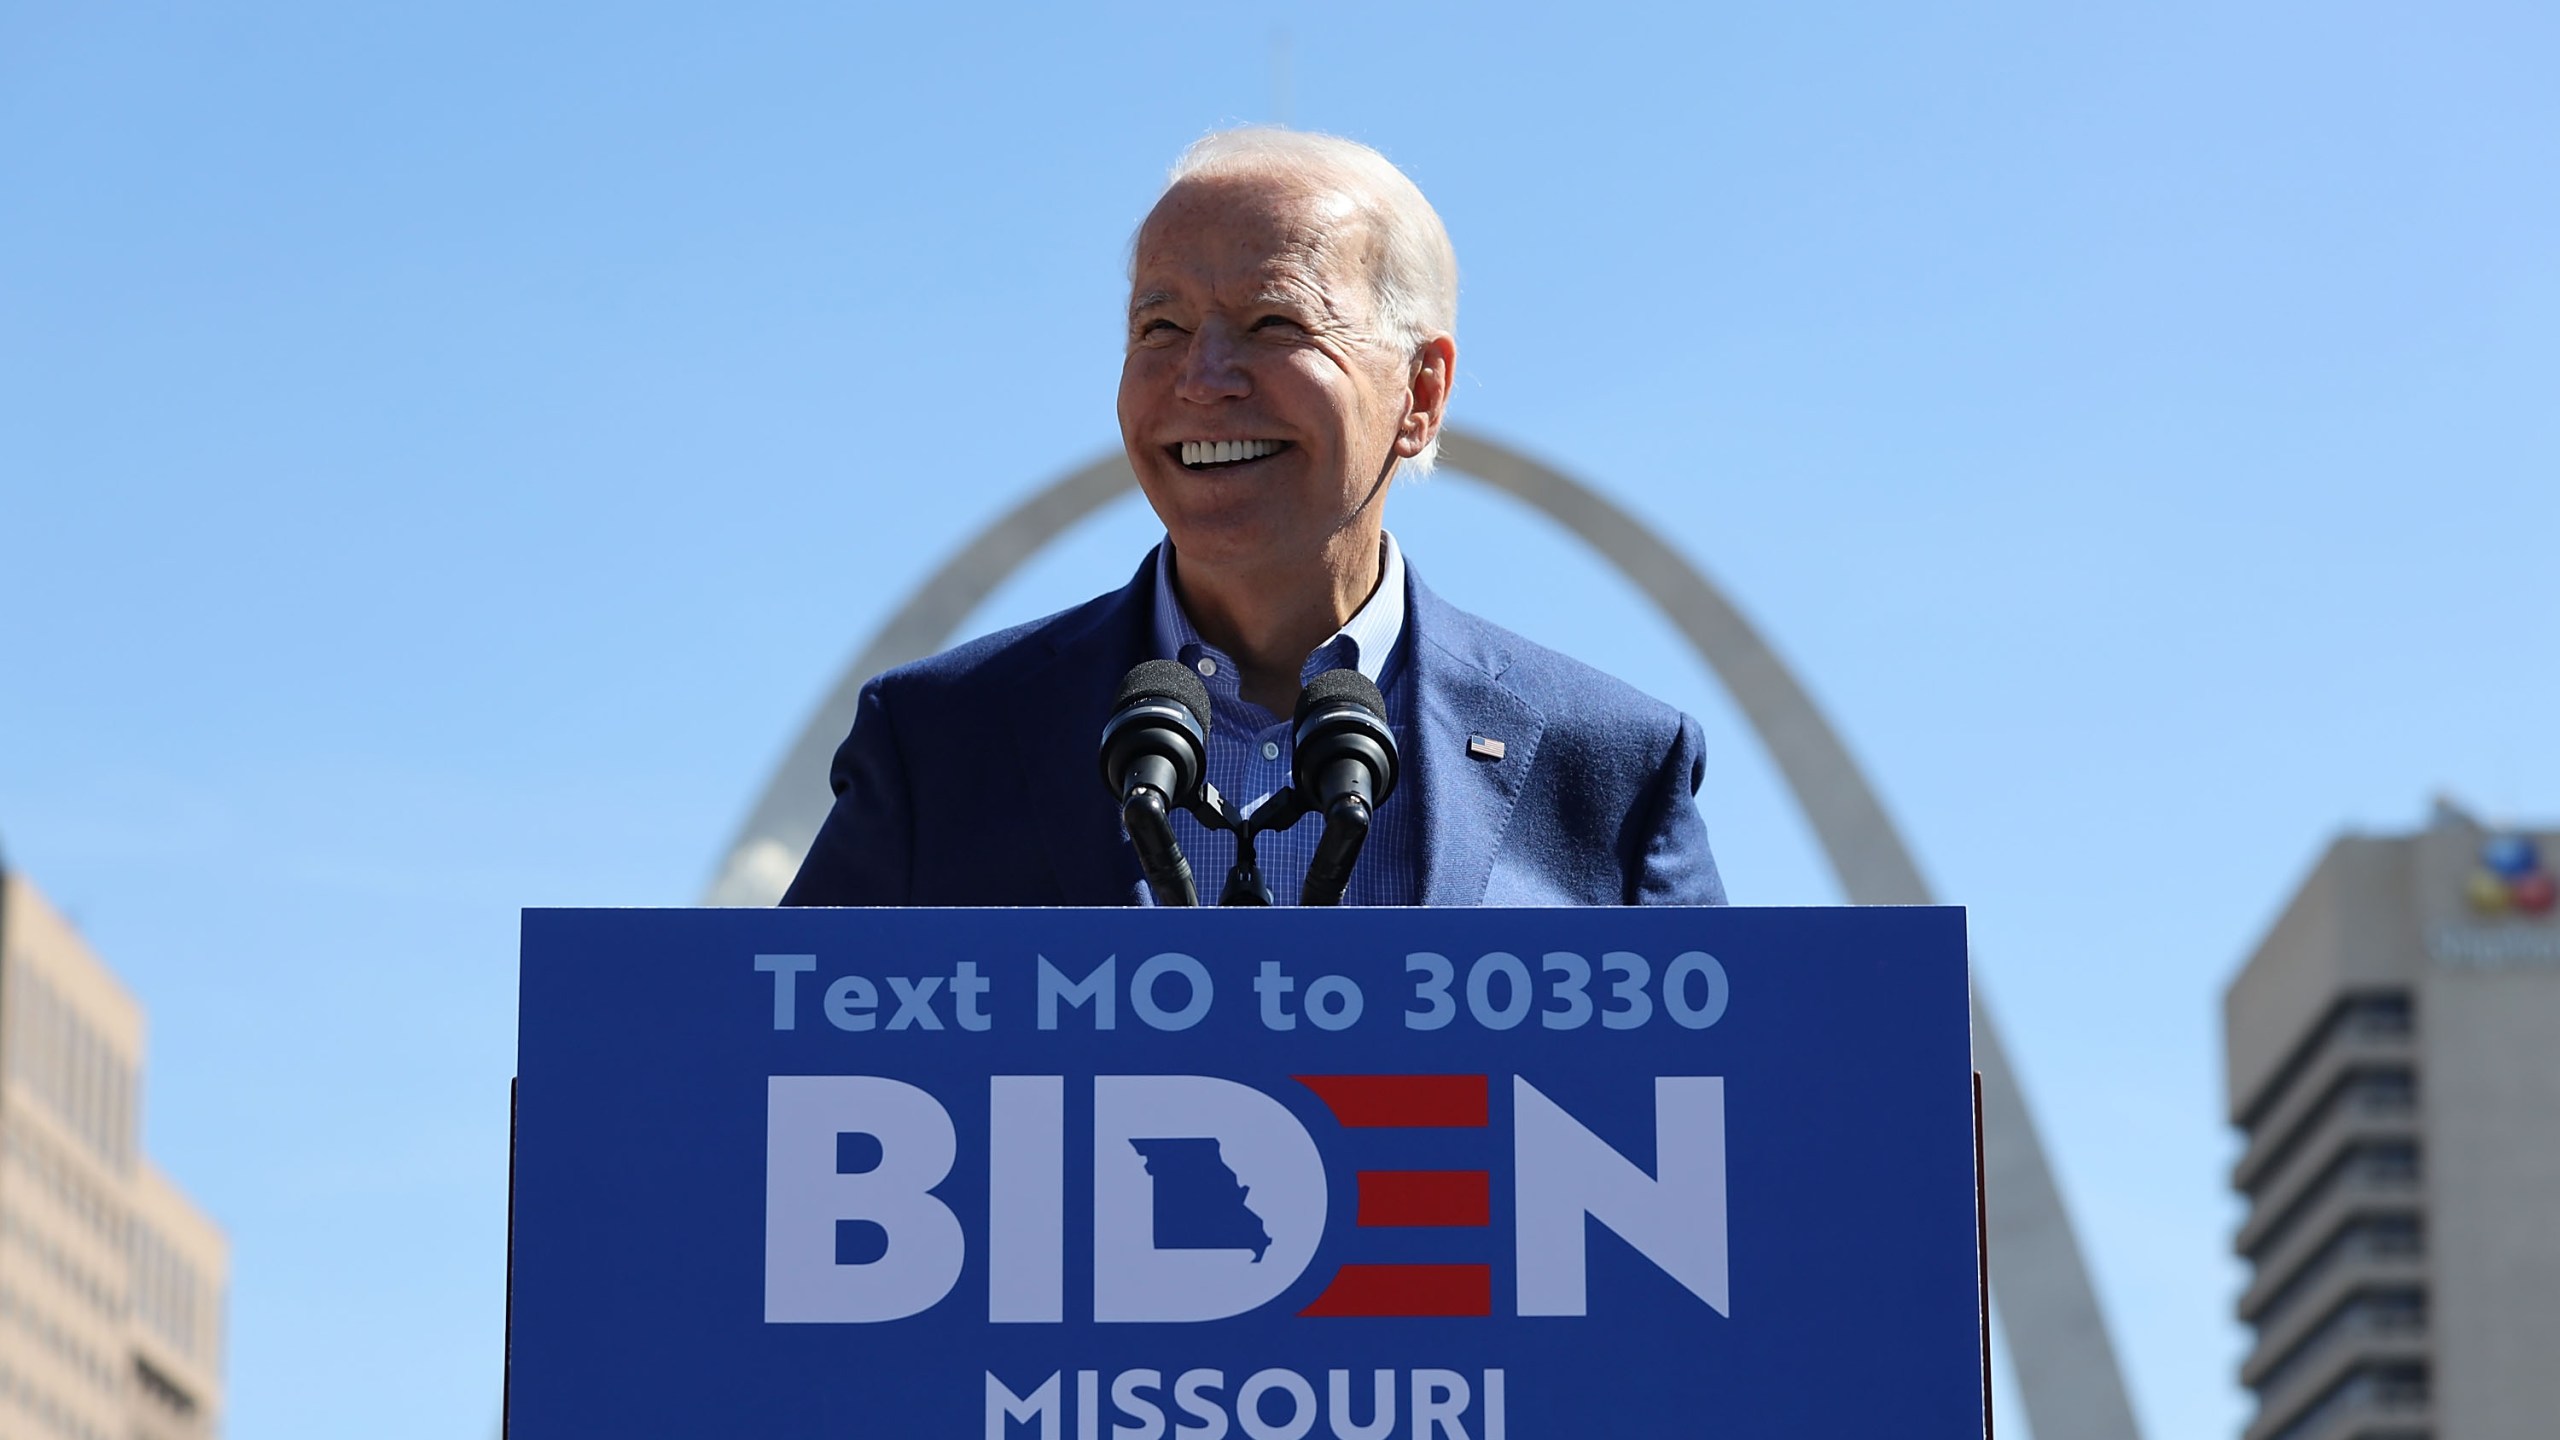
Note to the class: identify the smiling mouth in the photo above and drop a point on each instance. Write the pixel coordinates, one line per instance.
(1223, 454)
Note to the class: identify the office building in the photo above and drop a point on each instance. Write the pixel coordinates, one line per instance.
(111, 1281)
(2393, 1062)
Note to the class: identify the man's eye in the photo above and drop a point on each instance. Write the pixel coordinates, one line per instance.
(1276, 322)
(1158, 329)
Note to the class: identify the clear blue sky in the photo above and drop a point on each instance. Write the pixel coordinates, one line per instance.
(444, 454)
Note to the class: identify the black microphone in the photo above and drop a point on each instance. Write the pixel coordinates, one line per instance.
(1154, 758)
(1345, 766)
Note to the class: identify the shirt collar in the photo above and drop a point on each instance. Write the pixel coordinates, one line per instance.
(1364, 643)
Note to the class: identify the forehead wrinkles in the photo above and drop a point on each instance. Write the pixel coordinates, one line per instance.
(1313, 249)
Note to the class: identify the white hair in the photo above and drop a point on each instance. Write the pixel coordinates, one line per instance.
(1414, 273)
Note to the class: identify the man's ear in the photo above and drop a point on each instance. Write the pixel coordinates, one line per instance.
(1427, 398)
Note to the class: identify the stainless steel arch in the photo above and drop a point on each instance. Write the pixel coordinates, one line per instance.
(2064, 1360)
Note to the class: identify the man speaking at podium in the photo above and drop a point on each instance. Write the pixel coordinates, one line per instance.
(1291, 344)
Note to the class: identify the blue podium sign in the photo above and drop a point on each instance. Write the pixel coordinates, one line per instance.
(1276, 1175)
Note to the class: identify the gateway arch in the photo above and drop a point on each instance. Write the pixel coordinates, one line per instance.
(2057, 1340)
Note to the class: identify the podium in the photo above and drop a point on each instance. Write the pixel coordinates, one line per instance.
(1270, 1174)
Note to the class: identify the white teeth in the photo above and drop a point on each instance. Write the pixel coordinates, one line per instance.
(1226, 452)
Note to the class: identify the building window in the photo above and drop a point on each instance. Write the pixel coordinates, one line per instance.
(2378, 1163)
(2364, 1092)
(2375, 1387)
(2370, 1015)
(2371, 1314)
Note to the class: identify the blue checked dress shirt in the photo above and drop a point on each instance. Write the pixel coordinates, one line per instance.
(1249, 749)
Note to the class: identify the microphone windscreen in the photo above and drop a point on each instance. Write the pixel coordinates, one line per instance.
(1335, 686)
(1164, 680)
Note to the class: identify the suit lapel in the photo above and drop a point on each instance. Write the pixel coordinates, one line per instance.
(1458, 695)
(1058, 712)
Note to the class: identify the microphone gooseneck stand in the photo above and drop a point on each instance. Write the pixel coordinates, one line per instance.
(1245, 885)
(1344, 766)
(1150, 826)
(1155, 761)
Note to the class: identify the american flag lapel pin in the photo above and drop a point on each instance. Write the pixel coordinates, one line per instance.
(1483, 747)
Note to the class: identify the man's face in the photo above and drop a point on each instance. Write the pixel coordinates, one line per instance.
(1257, 401)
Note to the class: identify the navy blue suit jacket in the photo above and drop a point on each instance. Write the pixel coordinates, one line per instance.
(970, 777)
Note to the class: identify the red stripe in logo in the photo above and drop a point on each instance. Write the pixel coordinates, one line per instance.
(1426, 1197)
(1407, 1290)
(1369, 1102)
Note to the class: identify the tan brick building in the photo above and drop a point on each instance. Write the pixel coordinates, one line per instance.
(2393, 1060)
(111, 1281)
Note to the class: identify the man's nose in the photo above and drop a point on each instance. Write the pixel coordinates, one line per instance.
(1212, 367)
